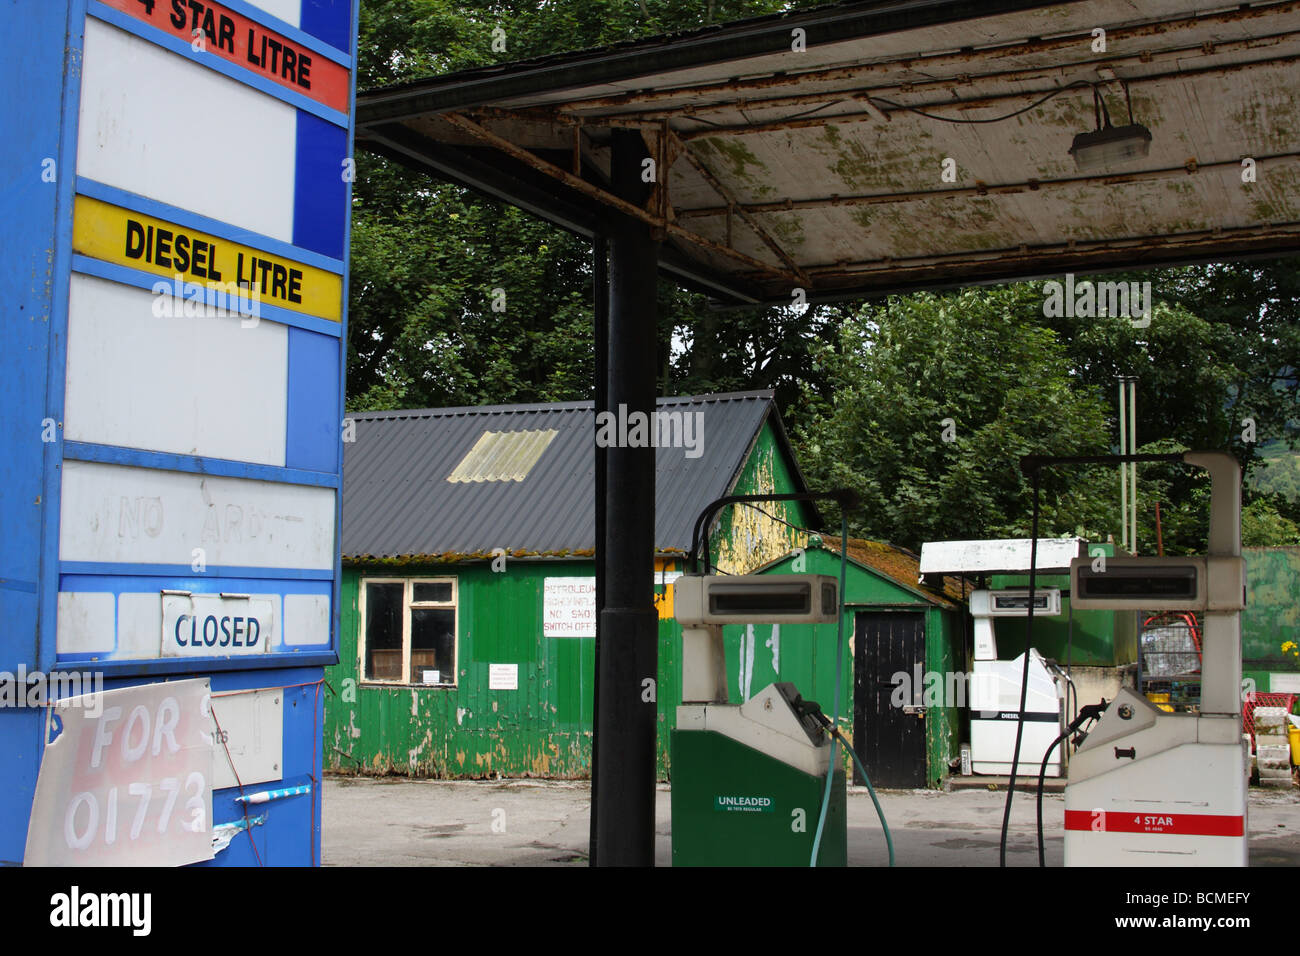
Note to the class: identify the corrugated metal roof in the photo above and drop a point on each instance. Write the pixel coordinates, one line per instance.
(399, 503)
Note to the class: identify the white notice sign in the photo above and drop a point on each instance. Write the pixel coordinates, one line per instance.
(503, 677)
(127, 781)
(217, 625)
(569, 607)
(1280, 682)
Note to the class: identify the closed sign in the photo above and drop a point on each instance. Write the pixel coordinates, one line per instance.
(216, 625)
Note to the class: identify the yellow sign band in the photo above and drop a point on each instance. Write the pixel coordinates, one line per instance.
(124, 237)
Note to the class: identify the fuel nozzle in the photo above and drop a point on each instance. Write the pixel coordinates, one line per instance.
(810, 708)
(1086, 713)
(1089, 712)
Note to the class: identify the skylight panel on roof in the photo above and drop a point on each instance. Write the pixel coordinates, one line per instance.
(503, 456)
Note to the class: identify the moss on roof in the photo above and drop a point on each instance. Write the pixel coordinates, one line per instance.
(895, 563)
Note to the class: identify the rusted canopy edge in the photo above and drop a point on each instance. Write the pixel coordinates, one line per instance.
(500, 177)
(834, 23)
(898, 279)
(728, 92)
(497, 176)
(486, 172)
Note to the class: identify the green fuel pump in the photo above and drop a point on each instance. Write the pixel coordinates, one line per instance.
(749, 779)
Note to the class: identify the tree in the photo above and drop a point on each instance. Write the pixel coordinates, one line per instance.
(931, 402)
(459, 300)
(428, 257)
(1263, 527)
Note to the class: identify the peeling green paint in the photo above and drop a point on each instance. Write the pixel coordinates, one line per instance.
(544, 728)
(814, 673)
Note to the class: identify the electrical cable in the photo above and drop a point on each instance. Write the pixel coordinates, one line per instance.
(815, 109)
(1042, 774)
(919, 112)
(243, 804)
(839, 666)
(814, 710)
(991, 119)
(1090, 712)
(889, 839)
(1024, 674)
(768, 514)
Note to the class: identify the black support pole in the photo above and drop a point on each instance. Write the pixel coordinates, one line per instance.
(623, 785)
(600, 309)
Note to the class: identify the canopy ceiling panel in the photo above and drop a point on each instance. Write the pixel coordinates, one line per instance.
(906, 145)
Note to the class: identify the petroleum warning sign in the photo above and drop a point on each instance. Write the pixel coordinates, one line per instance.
(132, 239)
(214, 29)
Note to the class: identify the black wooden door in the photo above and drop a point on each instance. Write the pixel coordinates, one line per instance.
(888, 738)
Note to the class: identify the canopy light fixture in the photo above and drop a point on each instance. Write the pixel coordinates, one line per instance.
(1110, 145)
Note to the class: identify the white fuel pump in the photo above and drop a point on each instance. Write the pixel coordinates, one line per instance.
(995, 688)
(1153, 788)
(994, 696)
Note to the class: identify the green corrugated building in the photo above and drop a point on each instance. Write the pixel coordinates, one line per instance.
(897, 633)
(467, 606)
(1271, 618)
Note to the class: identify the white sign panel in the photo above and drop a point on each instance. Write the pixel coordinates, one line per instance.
(117, 513)
(306, 619)
(134, 134)
(1280, 682)
(287, 10)
(1005, 555)
(249, 746)
(217, 625)
(85, 623)
(127, 781)
(175, 407)
(503, 677)
(569, 607)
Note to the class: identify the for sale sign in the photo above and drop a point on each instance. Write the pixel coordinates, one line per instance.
(126, 779)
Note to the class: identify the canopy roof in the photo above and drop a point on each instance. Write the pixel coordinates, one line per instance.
(812, 168)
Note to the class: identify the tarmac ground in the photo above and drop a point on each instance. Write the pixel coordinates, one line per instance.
(397, 821)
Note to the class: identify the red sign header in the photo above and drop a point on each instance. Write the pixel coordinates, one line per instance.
(214, 29)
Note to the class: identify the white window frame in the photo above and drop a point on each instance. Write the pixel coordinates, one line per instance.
(408, 603)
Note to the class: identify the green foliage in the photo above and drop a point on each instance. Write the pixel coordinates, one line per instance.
(864, 389)
(1257, 307)
(1279, 475)
(423, 328)
(1262, 526)
(426, 256)
(901, 368)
